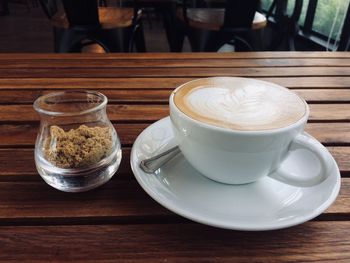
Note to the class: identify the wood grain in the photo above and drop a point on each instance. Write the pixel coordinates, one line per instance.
(119, 221)
(118, 201)
(147, 96)
(125, 113)
(324, 95)
(131, 83)
(310, 242)
(329, 112)
(174, 72)
(171, 63)
(25, 134)
(151, 113)
(156, 96)
(20, 162)
(161, 56)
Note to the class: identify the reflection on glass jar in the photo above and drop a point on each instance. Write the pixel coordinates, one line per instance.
(77, 147)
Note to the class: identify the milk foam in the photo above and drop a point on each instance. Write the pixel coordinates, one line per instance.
(247, 107)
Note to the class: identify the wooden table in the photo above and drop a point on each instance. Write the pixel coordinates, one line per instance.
(119, 221)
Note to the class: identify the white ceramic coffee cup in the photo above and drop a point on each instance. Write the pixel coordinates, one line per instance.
(240, 157)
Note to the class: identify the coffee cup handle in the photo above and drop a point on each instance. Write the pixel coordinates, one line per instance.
(306, 142)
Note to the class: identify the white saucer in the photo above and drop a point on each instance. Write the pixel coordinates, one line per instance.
(263, 205)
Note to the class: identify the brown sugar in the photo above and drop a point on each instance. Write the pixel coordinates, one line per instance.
(78, 147)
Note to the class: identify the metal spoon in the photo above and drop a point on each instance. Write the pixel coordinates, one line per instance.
(150, 165)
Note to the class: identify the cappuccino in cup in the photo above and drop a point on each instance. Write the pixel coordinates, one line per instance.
(238, 130)
(242, 106)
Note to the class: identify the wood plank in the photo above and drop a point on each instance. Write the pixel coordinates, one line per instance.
(35, 202)
(324, 95)
(175, 72)
(124, 113)
(141, 56)
(25, 134)
(114, 96)
(335, 133)
(150, 113)
(18, 164)
(171, 63)
(310, 82)
(93, 83)
(341, 156)
(36, 84)
(112, 201)
(342, 204)
(310, 242)
(335, 112)
(155, 96)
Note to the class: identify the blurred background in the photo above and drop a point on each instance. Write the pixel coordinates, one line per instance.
(41, 26)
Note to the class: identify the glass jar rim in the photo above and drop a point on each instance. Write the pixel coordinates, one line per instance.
(43, 98)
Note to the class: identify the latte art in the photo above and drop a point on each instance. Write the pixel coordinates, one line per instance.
(240, 103)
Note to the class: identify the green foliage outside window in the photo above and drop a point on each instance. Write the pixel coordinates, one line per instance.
(325, 14)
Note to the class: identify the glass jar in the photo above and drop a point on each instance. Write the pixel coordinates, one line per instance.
(77, 147)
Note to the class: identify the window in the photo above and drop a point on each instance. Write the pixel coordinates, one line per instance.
(319, 18)
(303, 12)
(327, 13)
(265, 4)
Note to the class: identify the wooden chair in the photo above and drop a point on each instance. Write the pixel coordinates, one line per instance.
(115, 29)
(210, 28)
